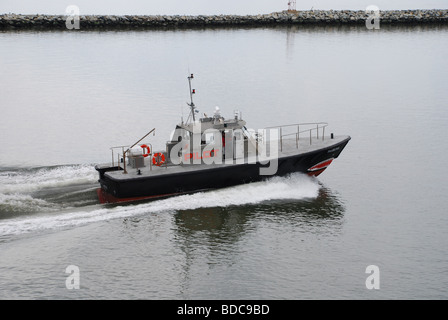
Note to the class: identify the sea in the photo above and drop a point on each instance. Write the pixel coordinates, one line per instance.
(373, 226)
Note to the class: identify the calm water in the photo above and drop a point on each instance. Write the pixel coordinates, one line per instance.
(66, 97)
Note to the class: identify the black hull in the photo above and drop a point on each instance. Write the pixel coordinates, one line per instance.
(210, 178)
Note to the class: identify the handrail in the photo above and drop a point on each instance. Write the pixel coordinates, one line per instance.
(124, 152)
(316, 126)
(299, 124)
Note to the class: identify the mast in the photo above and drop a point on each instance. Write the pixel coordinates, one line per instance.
(192, 91)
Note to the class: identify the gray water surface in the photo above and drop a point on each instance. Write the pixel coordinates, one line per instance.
(66, 97)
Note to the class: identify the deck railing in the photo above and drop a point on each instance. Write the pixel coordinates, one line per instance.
(308, 129)
(122, 153)
(126, 149)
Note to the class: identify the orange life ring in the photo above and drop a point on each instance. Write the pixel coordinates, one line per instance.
(148, 150)
(158, 159)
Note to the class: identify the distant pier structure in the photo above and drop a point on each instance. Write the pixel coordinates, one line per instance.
(13, 21)
(292, 6)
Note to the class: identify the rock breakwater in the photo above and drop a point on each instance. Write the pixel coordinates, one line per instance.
(326, 17)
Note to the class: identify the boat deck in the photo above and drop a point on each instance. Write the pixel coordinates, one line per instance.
(287, 147)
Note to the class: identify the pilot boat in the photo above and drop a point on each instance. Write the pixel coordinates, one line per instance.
(213, 152)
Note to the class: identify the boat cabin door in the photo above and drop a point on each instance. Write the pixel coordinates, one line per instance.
(238, 144)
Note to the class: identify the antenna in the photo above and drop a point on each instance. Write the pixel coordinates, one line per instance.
(192, 91)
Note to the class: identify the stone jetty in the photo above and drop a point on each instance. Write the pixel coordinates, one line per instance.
(310, 17)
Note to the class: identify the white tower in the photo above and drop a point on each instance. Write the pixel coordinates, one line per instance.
(292, 5)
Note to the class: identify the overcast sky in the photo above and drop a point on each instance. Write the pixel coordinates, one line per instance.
(206, 7)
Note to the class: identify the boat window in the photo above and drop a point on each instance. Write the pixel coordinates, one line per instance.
(209, 137)
(179, 134)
